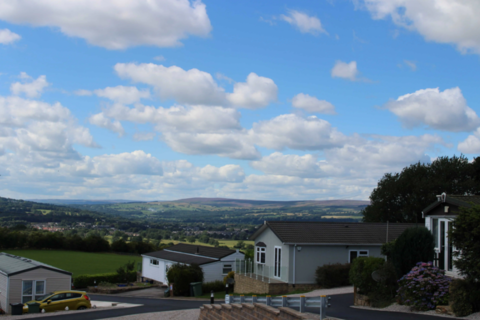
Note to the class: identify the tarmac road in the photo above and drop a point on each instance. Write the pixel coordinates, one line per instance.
(340, 308)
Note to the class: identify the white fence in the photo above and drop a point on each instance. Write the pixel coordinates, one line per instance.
(260, 271)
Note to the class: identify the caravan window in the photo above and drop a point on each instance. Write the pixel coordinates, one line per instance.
(260, 255)
(154, 262)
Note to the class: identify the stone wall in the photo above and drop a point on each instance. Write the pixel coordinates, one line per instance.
(245, 284)
(249, 312)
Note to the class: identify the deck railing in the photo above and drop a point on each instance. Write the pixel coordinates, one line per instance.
(261, 271)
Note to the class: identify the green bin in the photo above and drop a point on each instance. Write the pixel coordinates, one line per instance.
(16, 309)
(33, 307)
(196, 288)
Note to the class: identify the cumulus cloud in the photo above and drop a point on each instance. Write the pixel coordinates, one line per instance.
(32, 88)
(305, 166)
(471, 144)
(296, 132)
(303, 22)
(312, 104)
(442, 110)
(34, 129)
(227, 173)
(7, 36)
(257, 92)
(196, 87)
(443, 21)
(100, 120)
(411, 64)
(345, 70)
(123, 94)
(114, 24)
(185, 86)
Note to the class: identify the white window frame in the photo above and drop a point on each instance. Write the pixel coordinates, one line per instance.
(258, 255)
(153, 264)
(358, 254)
(34, 289)
(223, 268)
(277, 268)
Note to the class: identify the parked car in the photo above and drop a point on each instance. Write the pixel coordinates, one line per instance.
(59, 300)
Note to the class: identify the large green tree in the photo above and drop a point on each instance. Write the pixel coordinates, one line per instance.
(401, 197)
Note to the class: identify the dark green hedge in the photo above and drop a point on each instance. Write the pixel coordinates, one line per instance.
(464, 297)
(361, 273)
(182, 275)
(89, 280)
(333, 275)
(216, 286)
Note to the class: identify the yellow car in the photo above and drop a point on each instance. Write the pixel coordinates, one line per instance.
(59, 300)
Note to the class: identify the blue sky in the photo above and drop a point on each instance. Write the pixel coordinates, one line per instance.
(171, 99)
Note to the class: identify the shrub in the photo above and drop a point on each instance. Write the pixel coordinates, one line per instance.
(466, 238)
(231, 274)
(333, 275)
(424, 287)
(464, 297)
(361, 273)
(84, 281)
(216, 286)
(182, 275)
(383, 293)
(413, 245)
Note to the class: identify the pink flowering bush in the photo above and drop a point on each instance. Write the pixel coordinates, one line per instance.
(424, 287)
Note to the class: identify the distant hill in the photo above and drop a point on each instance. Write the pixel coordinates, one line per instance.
(63, 202)
(223, 202)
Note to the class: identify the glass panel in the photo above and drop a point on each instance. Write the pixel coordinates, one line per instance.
(353, 255)
(441, 256)
(39, 287)
(275, 262)
(26, 299)
(227, 268)
(262, 257)
(27, 288)
(279, 261)
(364, 253)
(435, 231)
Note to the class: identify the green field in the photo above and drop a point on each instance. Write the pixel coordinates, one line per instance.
(78, 262)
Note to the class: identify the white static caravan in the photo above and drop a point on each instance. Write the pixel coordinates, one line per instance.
(216, 263)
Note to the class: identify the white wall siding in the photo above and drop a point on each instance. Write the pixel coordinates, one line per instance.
(234, 256)
(213, 271)
(154, 272)
(55, 281)
(272, 241)
(3, 292)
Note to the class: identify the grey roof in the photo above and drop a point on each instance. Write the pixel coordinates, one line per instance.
(10, 265)
(180, 257)
(466, 201)
(333, 232)
(205, 251)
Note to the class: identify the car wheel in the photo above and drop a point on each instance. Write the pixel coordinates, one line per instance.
(82, 308)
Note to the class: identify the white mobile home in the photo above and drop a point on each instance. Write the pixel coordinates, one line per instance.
(216, 263)
(22, 280)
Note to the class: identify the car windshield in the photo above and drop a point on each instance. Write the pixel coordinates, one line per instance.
(41, 298)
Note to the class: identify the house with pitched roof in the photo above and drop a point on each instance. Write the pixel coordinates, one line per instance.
(23, 280)
(216, 263)
(289, 252)
(439, 219)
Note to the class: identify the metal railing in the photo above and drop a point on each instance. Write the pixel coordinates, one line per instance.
(302, 302)
(261, 271)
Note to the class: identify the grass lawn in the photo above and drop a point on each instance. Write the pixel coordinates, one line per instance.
(78, 262)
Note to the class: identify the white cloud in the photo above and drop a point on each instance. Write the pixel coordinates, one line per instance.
(136, 162)
(227, 173)
(471, 144)
(196, 87)
(83, 92)
(312, 104)
(303, 22)
(100, 120)
(191, 87)
(257, 92)
(446, 110)
(122, 94)
(114, 24)
(159, 58)
(40, 131)
(31, 89)
(443, 21)
(345, 70)
(7, 36)
(305, 166)
(144, 136)
(295, 132)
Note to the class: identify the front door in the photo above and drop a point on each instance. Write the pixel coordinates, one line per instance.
(278, 262)
(443, 244)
